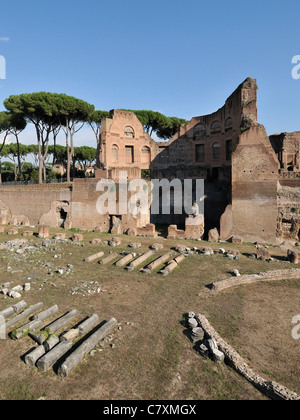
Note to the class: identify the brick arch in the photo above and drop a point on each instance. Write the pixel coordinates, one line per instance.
(199, 130)
(115, 153)
(215, 127)
(129, 132)
(146, 154)
(216, 149)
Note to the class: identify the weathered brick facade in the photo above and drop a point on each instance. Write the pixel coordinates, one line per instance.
(124, 144)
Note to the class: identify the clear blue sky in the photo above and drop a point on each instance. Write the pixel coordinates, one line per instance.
(182, 58)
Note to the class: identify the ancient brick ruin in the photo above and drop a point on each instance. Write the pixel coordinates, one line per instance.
(252, 181)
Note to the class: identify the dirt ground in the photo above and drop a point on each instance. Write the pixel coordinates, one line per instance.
(150, 356)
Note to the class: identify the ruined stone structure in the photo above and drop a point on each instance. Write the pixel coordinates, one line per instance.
(124, 145)
(203, 148)
(252, 181)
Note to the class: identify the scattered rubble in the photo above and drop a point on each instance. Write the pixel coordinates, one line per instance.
(87, 288)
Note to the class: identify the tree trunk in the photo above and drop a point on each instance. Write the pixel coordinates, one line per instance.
(45, 173)
(68, 156)
(19, 158)
(39, 154)
(54, 151)
(15, 172)
(40, 166)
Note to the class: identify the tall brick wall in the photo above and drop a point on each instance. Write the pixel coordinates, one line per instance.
(254, 187)
(201, 148)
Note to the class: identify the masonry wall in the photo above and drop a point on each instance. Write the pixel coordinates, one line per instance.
(124, 143)
(203, 148)
(85, 215)
(254, 187)
(288, 227)
(33, 201)
(287, 148)
(64, 205)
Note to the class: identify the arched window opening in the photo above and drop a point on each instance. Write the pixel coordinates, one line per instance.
(199, 130)
(129, 133)
(146, 154)
(215, 127)
(229, 124)
(115, 153)
(216, 152)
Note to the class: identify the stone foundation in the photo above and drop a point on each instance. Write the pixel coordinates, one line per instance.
(272, 390)
(250, 279)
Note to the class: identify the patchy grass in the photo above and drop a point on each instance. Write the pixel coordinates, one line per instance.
(152, 357)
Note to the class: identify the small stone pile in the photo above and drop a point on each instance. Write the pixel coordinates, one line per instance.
(197, 335)
(207, 251)
(156, 247)
(14, 293)
(115, 241)
(206, 347)
(87, 288)
(187, 252)
(135, 245)
(233, 254)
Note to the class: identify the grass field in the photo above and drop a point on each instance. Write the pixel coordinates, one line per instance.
(152, 358)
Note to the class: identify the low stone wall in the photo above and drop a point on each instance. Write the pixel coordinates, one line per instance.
(255, 278)
(272, 390)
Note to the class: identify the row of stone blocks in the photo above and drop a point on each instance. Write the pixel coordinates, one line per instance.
(43, 233)
(130, 262)
(66, 350)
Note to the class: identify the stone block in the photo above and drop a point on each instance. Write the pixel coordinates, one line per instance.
(234, 252)
(96, 241)
(157, 247)
(13, 231)
(44, 232)
(237, 240)
(125, 260)
(94, 257)
(213, 235)
(85, 348)
(117, 228)
(28, 233)
(60, 236)
(3, 220)
(293, 256)
(236, 273)
(226, 224)
(109, 258)
(197, 335)
(77, 237)
(117, 241)
(131, 232)
(218, 356)
(262, 253)
(98, 229)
